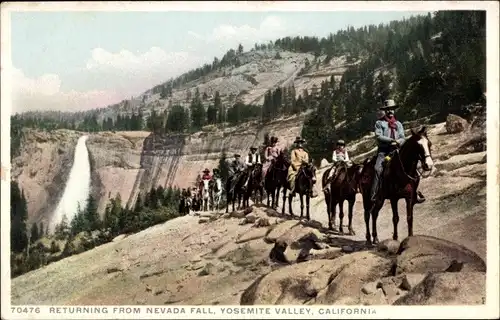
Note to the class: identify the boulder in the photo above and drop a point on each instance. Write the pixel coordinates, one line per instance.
(293, 284)
(298, 235)
(279, 229)
(355, 270)
(455, 124)
(327, 253)
(461, 160)
(262, 222)
(410, 280)
(250, 218)
(204, 220)
(252, 234)
(447, 289)
(318, 281)
(390, 246)
(422, 254)
(237, 214)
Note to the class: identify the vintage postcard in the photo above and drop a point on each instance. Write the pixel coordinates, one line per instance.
(270, 159)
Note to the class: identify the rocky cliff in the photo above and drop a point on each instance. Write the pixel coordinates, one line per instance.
(42, 169)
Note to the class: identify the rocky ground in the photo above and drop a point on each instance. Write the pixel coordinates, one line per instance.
(258, 256)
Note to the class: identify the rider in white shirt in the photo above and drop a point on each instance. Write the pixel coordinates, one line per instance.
(251, 160)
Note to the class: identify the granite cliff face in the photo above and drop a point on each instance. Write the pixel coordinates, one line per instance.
(42, 169)
(128, 162)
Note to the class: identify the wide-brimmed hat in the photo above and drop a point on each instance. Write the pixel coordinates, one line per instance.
(340, 142)
(299, 140)
(389, 104)
(253, 148)
(274, 139)
(236, 155)
(206, 170)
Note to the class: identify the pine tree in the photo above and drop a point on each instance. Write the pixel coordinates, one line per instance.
(34, 234)
(41, 230)
(18, 217)
(91, 215)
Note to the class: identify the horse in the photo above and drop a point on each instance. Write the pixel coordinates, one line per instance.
(188, 202)
(303, 186)
(195, 206)
(205, 195)
(343, 187)
(254, 184)
(400, 181)
(184, 205)
(275, 179)
(233, 189)
(216, 192)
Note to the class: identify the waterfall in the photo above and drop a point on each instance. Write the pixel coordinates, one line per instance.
(77, 187)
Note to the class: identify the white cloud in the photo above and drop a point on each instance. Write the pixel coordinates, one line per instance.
(269, 29)
(195, 35)
(116, 76)
(44, 93)
(109, 77)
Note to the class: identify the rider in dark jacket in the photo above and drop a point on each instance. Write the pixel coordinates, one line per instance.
(390, 135)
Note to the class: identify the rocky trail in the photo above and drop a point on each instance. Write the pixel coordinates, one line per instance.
(258, 256)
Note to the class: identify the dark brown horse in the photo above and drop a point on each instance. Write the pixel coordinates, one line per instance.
(400, 181)
(303, 187)
(343, 187)
(234, 187)
(255, 184)
(276, 179)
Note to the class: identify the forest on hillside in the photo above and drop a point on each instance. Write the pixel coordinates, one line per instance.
(431, 65)
(34, 246)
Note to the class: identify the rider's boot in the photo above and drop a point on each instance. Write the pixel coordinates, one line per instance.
(313, 193)
(420, 197)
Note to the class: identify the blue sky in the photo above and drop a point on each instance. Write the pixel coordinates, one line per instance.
(82, 60)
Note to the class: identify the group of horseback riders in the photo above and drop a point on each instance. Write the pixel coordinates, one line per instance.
(389, 133)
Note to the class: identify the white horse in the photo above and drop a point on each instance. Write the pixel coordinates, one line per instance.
(205, 195)
(216, 193)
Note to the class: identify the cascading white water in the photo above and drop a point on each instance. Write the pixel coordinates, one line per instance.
(77, 187)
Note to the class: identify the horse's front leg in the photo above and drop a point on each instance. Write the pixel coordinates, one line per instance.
(308, 199)
(301, 197)
(341, 216)
(284, 200)
(367, 206)
(409, 213)
(269, 200)
(351, 201)
(276, 197)
(290, 199)
(374, 212)
(395, 217)
(333, 209)
(328, 210)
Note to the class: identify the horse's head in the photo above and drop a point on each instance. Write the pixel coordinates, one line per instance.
(308, 171)
(282, 161)
(217, 184)
(257, 170)
(420, 145)
(206, 185)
